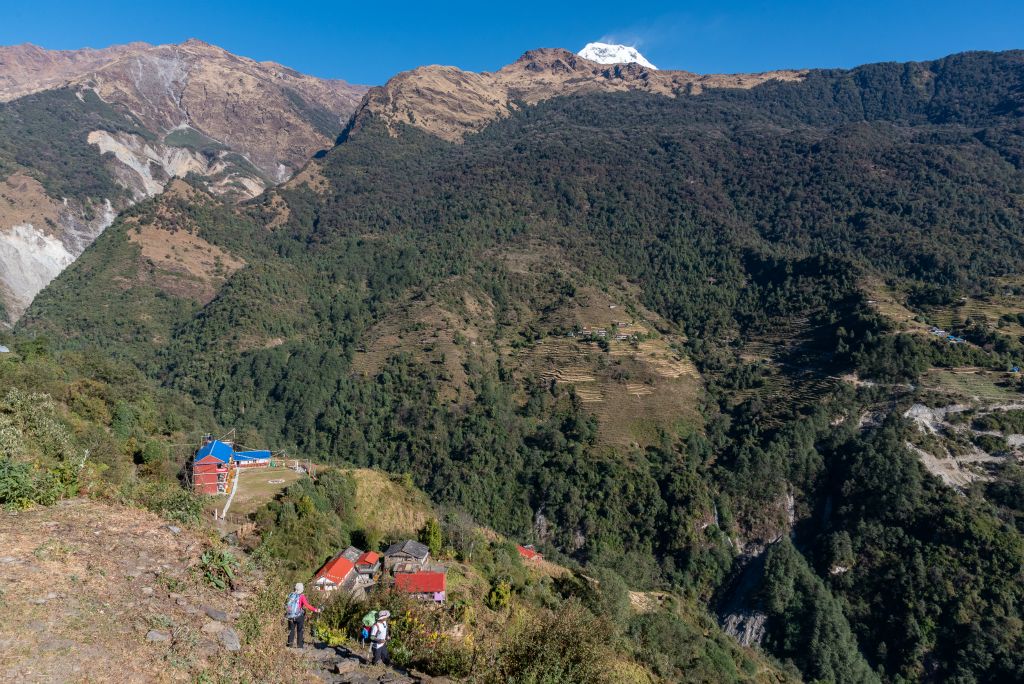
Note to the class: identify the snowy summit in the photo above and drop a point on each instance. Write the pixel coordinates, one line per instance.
(603, 53)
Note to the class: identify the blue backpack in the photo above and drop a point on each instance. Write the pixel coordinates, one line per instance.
(292, 609)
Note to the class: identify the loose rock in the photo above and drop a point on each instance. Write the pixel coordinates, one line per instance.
(229, 638)
(214, 614)
(156, 635)
(213, 627)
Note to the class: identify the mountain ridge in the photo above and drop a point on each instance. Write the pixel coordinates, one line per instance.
(451, 103)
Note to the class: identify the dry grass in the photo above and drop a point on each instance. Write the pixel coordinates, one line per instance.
(425, 330)
(890, 304)
(634, 390)
(991, 309)
(84, 582)
(388, 506)
(181, 263)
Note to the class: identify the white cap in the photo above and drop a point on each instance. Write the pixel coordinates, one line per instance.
(299, 587)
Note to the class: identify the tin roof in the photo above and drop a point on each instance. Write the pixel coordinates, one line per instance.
(336, 569)
(420, 582)
(368, 558)
(409, 547)
(528, 554)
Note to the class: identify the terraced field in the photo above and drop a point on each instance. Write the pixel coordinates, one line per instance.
(973, 384)
(891, 305)
(635, 389)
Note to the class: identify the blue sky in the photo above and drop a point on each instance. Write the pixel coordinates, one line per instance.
(367, 42)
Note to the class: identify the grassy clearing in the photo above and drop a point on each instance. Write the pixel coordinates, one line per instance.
(992, 308)
(192, 139)
(890, 305)
(391, 507)
(634, 390)
(259, 486)
(970, 383)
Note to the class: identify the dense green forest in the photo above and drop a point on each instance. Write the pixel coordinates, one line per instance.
(744, 219)
(45, 134)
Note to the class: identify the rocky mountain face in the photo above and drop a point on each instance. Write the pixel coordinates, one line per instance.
(451, 103)
(142, 114)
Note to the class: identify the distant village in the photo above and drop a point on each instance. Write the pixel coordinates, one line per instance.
(405, 565)
(619, 332)
(950, 337)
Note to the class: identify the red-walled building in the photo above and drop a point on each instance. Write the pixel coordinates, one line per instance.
(210, 475)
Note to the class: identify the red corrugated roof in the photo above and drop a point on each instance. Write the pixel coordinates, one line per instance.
(420, 582)
(336, 569)
(528, 554)
(368, 558)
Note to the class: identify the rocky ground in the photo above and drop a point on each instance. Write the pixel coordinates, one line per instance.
(93, 592)
(343, 666)
(101, 593)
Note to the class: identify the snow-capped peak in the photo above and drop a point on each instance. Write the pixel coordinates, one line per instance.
(603, 53)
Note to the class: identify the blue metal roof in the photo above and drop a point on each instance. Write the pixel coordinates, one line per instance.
(221, 451)
(251, 455)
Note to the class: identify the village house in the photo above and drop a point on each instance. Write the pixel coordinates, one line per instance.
(209, 475)
(529, 553)
(368, 566)
(425, 586)
(406, 557)
(351, 553)
(337, 573)
(215, 461)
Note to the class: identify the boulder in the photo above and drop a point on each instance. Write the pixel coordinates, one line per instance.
(213, 627)
(229, 639)
(346, 666)
(214, 614)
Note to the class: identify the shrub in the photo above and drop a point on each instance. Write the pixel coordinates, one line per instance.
(218, 568)
(525, 654)
(500, 596)
(166, 499)
(21, 485)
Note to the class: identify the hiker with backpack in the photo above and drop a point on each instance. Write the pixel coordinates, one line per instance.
(295, 611)
(379, 639)
(368, 621)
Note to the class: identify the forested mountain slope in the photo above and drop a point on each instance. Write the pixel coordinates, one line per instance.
(85, 133)
(424, 306)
